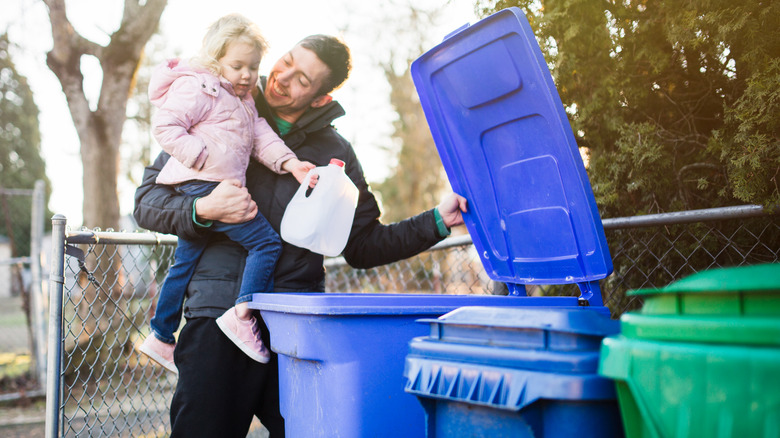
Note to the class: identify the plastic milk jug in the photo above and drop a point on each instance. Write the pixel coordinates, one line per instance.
(321, 219)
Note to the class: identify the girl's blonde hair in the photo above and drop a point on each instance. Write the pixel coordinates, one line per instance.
(228, 29)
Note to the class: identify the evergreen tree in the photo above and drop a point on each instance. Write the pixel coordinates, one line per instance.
(21, 163)
(675, 101)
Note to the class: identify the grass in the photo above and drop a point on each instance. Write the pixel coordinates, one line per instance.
(13, 365)
(15, 319)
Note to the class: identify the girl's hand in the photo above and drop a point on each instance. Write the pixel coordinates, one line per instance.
(299, 169)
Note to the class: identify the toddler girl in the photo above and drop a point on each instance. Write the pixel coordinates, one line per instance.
(208, 123)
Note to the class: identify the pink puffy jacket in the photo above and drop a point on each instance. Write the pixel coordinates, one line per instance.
(208, 130)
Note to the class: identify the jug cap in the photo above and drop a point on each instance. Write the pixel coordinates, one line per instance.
(337, 162)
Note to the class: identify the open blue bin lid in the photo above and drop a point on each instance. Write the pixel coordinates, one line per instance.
(507, 146)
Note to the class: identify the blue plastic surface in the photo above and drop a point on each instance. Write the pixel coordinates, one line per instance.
(507, 146)
(515, 372)
(341, 357)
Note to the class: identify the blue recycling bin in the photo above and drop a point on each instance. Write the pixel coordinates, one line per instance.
(515, 372)
(341, 357)
(503, 141)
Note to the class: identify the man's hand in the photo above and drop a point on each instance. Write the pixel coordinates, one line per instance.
(299, 169)
(229, 203)
(451, 208)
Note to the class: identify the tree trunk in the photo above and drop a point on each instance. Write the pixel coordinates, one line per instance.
(100, 159)
(100, 133)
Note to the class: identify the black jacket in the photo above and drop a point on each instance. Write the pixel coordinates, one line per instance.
(214, 285)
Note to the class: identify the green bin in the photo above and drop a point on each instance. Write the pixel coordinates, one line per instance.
(702, 357)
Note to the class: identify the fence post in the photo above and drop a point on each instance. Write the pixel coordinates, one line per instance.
(37, 299)
(56, 284)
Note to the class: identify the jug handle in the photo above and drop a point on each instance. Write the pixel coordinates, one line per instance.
(305, 184)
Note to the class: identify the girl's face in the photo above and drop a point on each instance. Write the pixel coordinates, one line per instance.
(239, 66)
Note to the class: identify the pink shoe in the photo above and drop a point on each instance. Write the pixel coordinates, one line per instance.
(245, 334)
(160, 352)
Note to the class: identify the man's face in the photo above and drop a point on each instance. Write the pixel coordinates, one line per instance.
(294, 83)
(239, 66)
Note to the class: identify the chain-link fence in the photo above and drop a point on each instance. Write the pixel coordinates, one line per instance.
(99, 385)
(647, 251)
(22, 315)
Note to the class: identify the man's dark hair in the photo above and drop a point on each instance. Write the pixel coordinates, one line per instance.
(335, 54)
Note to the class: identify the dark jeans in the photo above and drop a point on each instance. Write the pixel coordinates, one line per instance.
(220, 388)
(256, 236)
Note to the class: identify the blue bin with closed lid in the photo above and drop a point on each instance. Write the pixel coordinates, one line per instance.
(514, 372)
(507, 146)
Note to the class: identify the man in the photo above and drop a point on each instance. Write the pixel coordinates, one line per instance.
(219, 388)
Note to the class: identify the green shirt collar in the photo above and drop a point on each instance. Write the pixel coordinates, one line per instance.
(283, 125)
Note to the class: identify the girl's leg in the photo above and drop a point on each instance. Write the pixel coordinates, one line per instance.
(243, 311)
(171, 296)
(170, 300)
(263, 247)
(159, 345)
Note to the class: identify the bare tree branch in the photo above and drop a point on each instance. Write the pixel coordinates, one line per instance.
(100, 130)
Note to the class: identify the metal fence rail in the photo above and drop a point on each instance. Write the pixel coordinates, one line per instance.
(647, 251)
(100, 386)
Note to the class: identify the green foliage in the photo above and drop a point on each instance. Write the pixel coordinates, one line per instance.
(676, 101)
(21, 163)
(748, 143)
(20, 140)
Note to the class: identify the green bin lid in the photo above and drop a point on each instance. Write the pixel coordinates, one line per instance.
(739, 305)
(741, 291)
(702, 329)
(764, 277)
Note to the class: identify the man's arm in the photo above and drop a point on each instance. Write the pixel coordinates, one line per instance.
(372, 243)
(229, 203)
(160, 208)
(378, 244)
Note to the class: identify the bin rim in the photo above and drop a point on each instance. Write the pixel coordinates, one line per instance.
(378, 304)
(706, 329)
(754, 278)
(581, 320)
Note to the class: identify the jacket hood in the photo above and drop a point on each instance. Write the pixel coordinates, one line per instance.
(166, 73)
(317, 118)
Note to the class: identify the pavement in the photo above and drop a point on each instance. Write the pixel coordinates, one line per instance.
(24, 418)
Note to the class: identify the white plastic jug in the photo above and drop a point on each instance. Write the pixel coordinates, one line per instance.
(321, 221)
